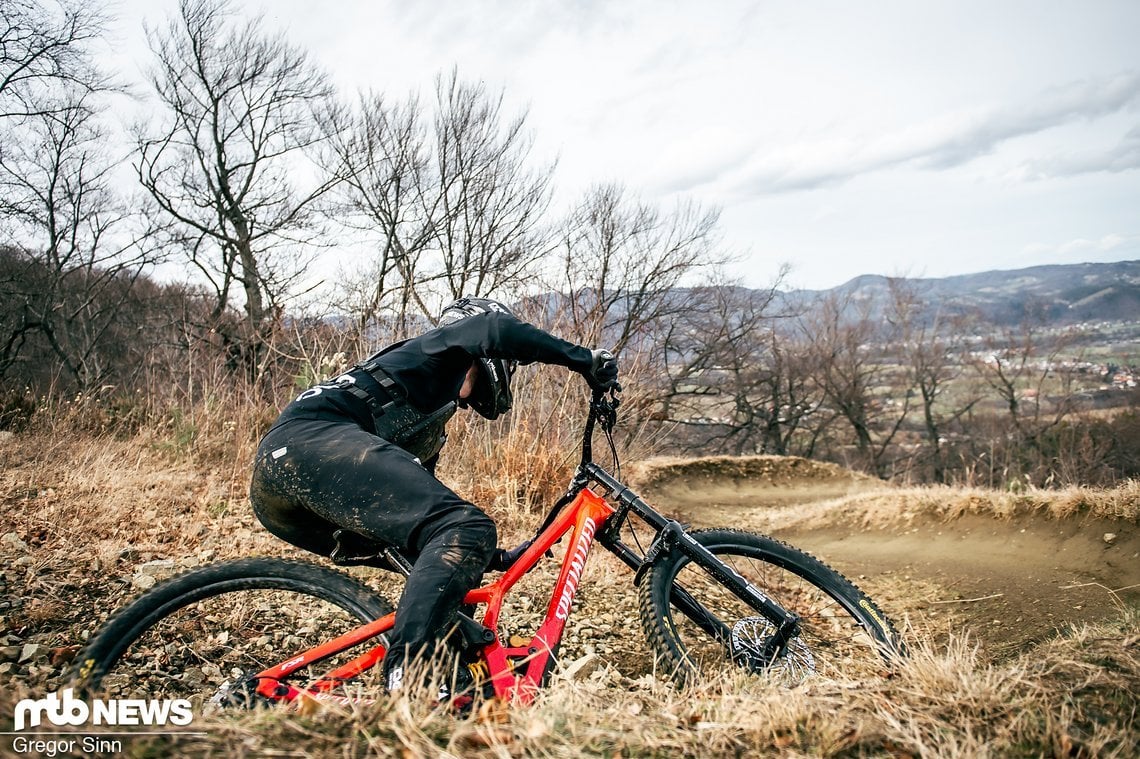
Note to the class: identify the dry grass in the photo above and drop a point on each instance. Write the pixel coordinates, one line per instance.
(86, 508)
(1073, 697)
(515, 466)
(665, 470)
(885, 507)
(1120, 502)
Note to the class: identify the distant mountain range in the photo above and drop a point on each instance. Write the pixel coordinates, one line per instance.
(1060, 294)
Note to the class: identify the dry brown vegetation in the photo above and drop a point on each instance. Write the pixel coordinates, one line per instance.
(786, 492)
(129, 410)
(83, 509)
(1072, 698)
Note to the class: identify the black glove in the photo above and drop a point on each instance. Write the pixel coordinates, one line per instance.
(502, 559)
(604, 371)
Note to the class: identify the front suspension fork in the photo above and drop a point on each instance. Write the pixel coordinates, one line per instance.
(672, 537)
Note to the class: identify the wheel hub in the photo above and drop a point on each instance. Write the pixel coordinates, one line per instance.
(750, 636)
(238, 693)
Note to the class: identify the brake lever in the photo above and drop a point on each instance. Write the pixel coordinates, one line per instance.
(607, 410)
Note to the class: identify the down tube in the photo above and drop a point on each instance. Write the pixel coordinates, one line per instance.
(593, 511)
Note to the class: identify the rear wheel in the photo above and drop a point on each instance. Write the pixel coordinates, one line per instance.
(200, 635)
(842, 632)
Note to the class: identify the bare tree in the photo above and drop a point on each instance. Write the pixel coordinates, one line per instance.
(44, 47)
(226, 165)
(448, 197)
(622, 260)
(710, 361)
(738, 375)
(1022, 366)
(854, 374)
(793, 417)
(68, 302)
(713, 360)
(490, 202)
(381, 153)
(73, 263)
(931, 348)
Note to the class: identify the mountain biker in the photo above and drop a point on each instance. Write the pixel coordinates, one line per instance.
(359, 451)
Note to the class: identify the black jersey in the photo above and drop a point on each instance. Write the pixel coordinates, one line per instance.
(431, 367)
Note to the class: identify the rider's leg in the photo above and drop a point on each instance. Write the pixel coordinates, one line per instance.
(311, 477)
(287, 518)
(344, 476)
(455, 549)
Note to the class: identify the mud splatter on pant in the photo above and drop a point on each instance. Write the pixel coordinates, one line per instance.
(313, 477)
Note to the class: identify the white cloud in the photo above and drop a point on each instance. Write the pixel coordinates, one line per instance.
(951, 141)
(918, 127)
(1123, 156)
(1082, 246)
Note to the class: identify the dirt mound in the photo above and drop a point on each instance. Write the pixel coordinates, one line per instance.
(744, 481)
(1012, 568)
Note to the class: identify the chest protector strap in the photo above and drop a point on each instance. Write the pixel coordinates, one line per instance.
(396, 419)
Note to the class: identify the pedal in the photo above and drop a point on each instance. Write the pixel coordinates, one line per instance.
(353, 550)
(470, 635)
(239, 692)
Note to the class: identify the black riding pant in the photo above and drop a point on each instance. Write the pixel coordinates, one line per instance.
(312, 477)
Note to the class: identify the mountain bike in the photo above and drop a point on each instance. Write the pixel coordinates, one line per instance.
(272, 630)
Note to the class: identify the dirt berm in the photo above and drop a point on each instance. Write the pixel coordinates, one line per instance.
(1011, 569)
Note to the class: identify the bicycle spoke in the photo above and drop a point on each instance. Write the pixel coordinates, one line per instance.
(192, 653)
(203, 635)
(837, 624)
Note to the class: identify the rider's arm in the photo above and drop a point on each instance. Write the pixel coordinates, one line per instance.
(431, 367)
(500, 335)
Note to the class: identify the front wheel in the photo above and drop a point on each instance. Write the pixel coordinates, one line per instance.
(841, 631)
(201, 634)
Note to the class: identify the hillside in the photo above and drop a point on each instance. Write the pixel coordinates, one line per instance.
(1061, 294)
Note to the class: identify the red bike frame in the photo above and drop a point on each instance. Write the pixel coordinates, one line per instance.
(516, 672)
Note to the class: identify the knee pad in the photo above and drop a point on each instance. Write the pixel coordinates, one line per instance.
(467, 529)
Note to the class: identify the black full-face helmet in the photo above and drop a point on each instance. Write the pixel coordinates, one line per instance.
(492, 393)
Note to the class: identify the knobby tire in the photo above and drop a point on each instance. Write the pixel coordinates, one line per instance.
(188, 635)
(843, 633)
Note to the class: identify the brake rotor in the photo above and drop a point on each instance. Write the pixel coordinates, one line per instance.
(750, 637)
(238, 693)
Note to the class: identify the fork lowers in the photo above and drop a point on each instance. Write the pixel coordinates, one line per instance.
(700, 628)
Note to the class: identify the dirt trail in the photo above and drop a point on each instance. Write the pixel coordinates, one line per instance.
(1009, 582)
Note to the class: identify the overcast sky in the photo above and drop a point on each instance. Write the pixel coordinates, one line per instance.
(844, 138)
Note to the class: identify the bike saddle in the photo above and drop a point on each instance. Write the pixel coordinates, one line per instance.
(353, 550)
